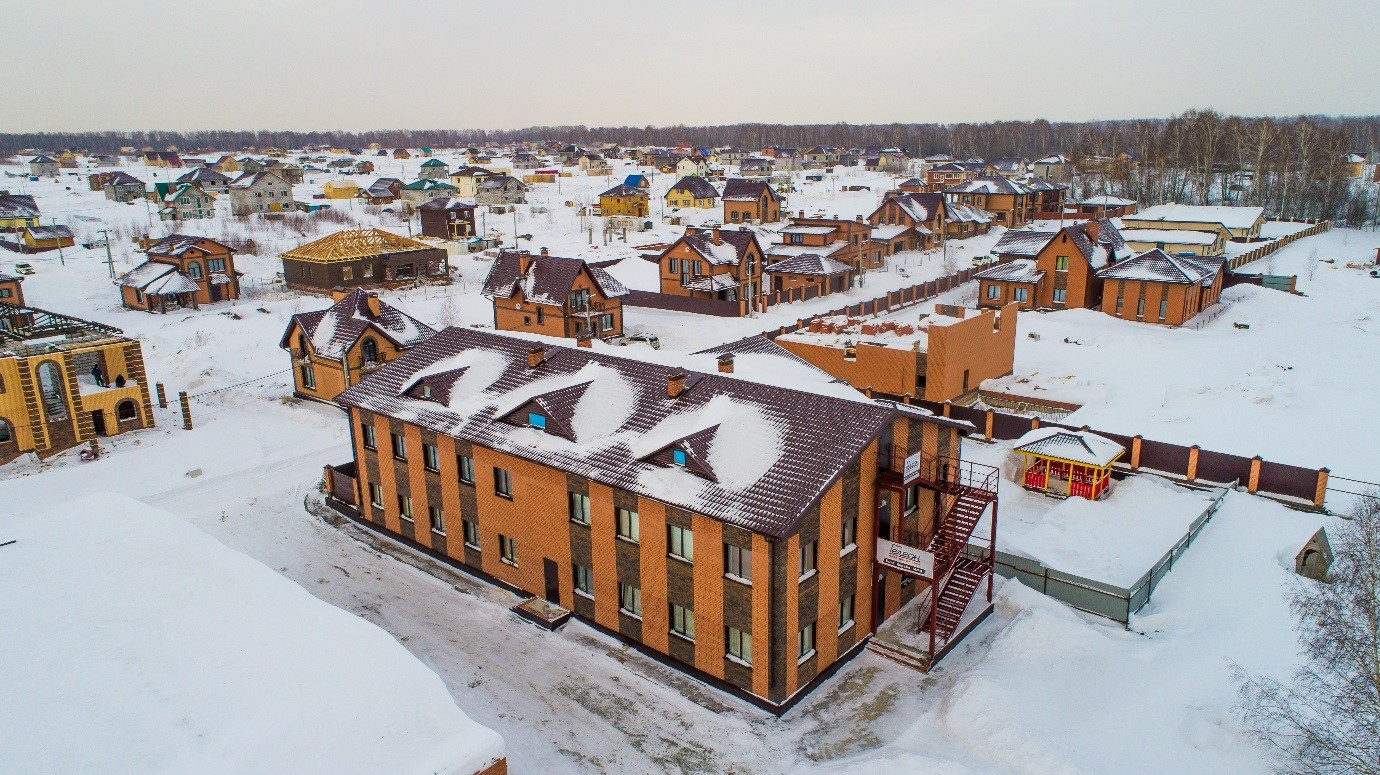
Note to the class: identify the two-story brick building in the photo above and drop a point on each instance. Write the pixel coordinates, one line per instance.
(750, 201)
(546, 294)
(448, 218)
(181, 270)
(339, 346)
(848, 242)
(715, 263)
(1051, 269)
(1155, 287)
(752, 535)
(259, 192)
(1011, 202)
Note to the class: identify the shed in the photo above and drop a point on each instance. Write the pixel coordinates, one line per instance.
(1067, 463)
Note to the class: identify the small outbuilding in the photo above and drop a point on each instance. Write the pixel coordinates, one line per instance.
(1067, 463)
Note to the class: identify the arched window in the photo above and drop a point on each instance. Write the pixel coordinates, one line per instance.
(194, 270)
(6, 431)
(50, 389)
(370, 348)
(302, 344)
(126, 410)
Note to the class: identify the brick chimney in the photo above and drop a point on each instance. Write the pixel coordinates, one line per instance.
(717, 239)
(584, 340)
(545, 252)
(726, 363)
(1094, 230)
(675, 384)
(802, 213)
(338, 293)
(536, 357)
(524, 261)
(857, 218)
(372, 301)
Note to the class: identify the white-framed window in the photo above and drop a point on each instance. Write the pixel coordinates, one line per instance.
(994, 291)
(807, 559)
(845, 613)
(1059, 295)
(683, 621)
(1140, 308)
(405, 506)
(807, 641)
(584, 580)
(912, 498)
(579, 508)
(431, 457)
(399, 446)
(465, 466)
(1164, 308)
(1061, 263)
(738, 563)
(848, 535)
(308, 376)
(1020, 294)
(503, 483)
(471, 531)
(628, 525)
(375, 495)
(438, 522)
(681, 543)
(507, 549)
(739, 645)
(630, 599)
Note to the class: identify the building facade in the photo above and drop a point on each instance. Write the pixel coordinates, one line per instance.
(545, 294)
(337, 347)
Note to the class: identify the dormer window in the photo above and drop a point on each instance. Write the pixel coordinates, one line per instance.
(426, 390)
(678, 457)
(537, 421)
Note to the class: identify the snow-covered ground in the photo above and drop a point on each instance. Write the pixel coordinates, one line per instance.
(1036, 689)
(134, 642)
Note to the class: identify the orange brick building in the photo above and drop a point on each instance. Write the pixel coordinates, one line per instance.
(847, 242)
(337, 347)
(1012, 203)
(944, 356)
(1050, 270)
(710, 521)
(749, 201)
(544, 294)
(181, 271)
(922, 216)
(1155, 287)
(715, 263)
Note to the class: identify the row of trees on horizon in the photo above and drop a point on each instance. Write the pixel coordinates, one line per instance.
(1292, 166)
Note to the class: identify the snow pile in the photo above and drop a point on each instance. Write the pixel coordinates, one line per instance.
(134, 642)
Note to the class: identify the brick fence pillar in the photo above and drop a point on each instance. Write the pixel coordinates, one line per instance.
(1034, 423)
(1192, 472)
(948, 405)
(1253, 483)
(1320, 492)
(1135, 451)
(991, 415)
(162, 395)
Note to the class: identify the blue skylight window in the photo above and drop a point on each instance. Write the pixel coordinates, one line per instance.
(678, 456)
(536, 420)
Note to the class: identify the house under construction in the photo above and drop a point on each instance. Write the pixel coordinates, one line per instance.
(65, 382)
(355, 258)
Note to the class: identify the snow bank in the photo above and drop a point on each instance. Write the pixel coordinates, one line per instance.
(133, 642)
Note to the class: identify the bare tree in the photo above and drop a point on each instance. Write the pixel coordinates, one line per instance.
(1327, 720)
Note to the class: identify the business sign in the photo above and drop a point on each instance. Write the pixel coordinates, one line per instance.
(906, 559)
(910, 470)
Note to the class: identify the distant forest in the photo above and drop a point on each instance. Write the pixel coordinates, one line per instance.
(1291, 166)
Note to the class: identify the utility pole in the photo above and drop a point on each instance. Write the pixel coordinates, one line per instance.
(61, 256)
(109, 260)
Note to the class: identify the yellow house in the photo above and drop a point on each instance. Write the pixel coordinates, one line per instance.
(40, 238)
(17, 211)
(693, 191)
(626, 200)
(1241, 223)
(1176, 242)
(337, 347)
(1353, 163)
(67, 382)
(67, 159)
(341, 189)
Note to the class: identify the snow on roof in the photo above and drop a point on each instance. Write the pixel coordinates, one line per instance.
(889, 232)
(809, 230)
(1106, 200)
(1158, 266)
(141, 644)
(1074, 446)
(782, 250)
(988, 184)
(1054, 158)
(1020, 270)
(774, 452)
(1169, 236)
(1230, 217)
(808, 263)
(712, 282)
(1022, 242)
(335, 330)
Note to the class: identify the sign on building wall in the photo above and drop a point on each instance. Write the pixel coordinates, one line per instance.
(906, 559)
(910, 471)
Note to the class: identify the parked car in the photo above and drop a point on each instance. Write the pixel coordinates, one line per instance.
(645, 338)
(24, 267)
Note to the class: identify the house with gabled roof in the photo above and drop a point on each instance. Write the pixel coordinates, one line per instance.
(209, 179)
(1055, 167)
(44, 166)
(1011, 202)
(383, 191)
(1155, 287)
(36, 239)
(715, 263)
(624, 200)
(499, 190)
(339, 346)
(259, 192)
(750, 201)
(181, 271)
(467, 179)
(448, 218)
(692, 191)
(1050, 269)
(433, 168)
(186, 202)
(909, 221)
(162, 159)
(546, 294)
(423, 190)
(849, 242)
(18, 211)
(808, 270)
(691, 165)
(1242, 223)
(119, 186)
(756, 167)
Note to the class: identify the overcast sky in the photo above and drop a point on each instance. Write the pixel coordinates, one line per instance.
(424, 64)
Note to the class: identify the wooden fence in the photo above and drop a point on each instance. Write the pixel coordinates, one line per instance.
(1267, 248)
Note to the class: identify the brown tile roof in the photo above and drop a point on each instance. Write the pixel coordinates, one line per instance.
(334, 330)
(548, 280)
(697, 187)
(742, 190)
(772, 451)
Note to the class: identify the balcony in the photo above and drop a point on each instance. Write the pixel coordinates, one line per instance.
(947, 475)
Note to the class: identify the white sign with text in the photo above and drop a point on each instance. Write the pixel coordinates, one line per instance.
(906, 559)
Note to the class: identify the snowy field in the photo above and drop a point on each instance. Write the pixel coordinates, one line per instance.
(1037, 689)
